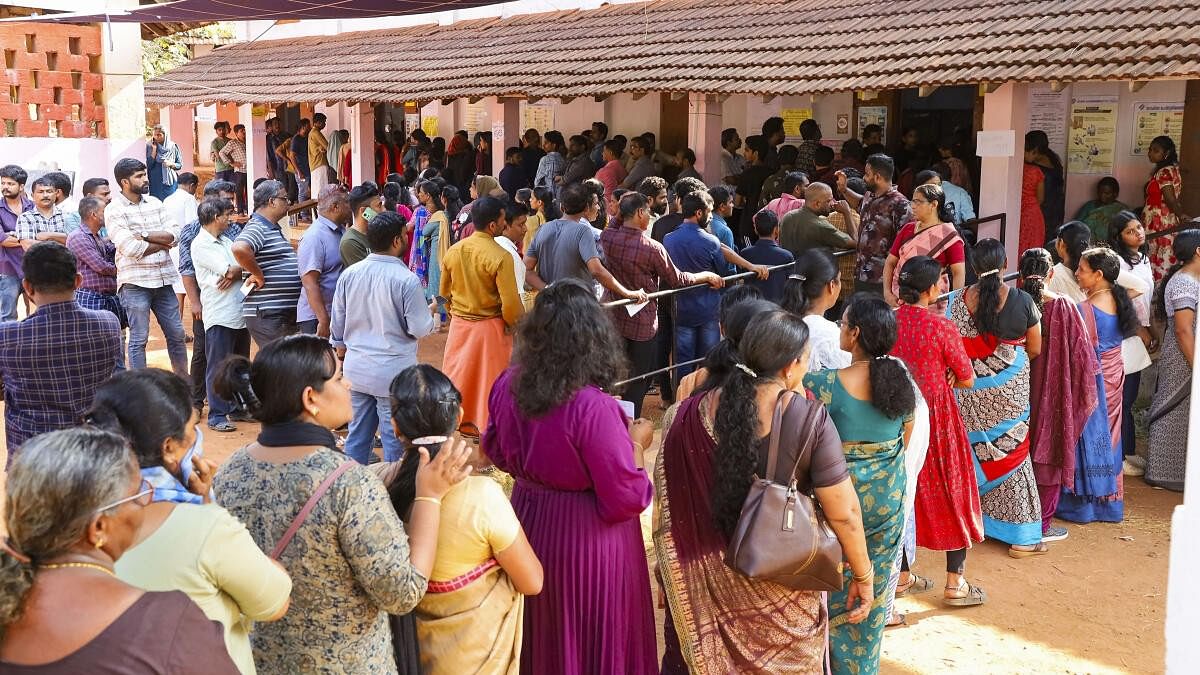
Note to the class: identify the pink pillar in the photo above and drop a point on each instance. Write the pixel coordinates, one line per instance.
(182, 128)
(1005, 109)
(360, 120)
(256, 145)
(506, 128)
(704, 135)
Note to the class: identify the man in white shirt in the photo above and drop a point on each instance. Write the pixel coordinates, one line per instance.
(220, 278)
(181, 207)
(517, 213)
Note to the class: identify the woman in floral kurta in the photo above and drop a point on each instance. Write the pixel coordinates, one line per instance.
(1163, 195)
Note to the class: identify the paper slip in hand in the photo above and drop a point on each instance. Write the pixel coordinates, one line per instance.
(634, 309)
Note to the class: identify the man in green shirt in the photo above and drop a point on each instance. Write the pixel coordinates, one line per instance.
(808, 227)
(224, 170)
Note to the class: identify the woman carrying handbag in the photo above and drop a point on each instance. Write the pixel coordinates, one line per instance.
(714, 461)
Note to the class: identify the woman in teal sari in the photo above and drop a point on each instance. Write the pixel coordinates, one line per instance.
(871, 403)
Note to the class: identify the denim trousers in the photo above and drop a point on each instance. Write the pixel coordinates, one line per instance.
(138, 302)
(10, 294)
(371, 413)
(220, 342)
(694, 342)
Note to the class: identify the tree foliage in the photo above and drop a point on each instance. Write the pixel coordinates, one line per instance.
(166, 53)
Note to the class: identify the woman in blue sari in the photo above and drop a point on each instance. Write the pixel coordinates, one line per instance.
(871, 402)
(1001, 331)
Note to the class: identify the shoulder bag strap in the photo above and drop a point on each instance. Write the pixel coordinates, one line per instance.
(946, 241)
(308, 507)
(776, 429)
(807, 441)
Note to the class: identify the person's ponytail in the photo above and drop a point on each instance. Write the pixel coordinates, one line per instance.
(813, 271)
(988, 260)
(16, 580)
(891, 389)
(1034, 267)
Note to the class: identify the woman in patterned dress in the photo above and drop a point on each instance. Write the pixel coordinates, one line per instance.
(350, 559)
(1176, 303)
(1164, 202)
(1001, 331)
(947, 502)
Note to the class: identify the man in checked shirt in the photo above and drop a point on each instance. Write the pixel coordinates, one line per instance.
(144, 233)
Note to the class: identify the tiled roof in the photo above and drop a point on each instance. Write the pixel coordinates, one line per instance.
(768, 47)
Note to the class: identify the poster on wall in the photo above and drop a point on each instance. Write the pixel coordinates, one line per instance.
(538, 116)
(872, 114)
(792, 117)
(1155, 119)
(475, 114)
(1092, 138)
(1048, 112)
(429, 124)
(412, 122)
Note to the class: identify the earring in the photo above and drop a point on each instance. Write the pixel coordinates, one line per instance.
(99, 544)
(314, 412)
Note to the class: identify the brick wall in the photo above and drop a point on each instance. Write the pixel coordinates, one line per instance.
(53, 82)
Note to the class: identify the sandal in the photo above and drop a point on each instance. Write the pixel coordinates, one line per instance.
(973, 595)
(1038, 549)
(896, 620)
(916, 584)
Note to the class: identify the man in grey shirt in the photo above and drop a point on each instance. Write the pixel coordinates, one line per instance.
(379, 338)
(567, 247)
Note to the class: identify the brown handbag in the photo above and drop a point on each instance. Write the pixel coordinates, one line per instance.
(782, 535)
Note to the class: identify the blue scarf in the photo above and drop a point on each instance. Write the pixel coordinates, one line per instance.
(168, 488)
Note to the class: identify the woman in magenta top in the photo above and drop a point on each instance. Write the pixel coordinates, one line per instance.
(580, 487)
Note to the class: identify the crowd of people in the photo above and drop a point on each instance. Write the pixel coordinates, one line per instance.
(870, 355)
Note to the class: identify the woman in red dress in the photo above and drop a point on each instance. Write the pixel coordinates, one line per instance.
(1032, 231)
(1163, 209)
(948, 511)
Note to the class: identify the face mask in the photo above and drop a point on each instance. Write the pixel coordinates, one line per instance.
(369, 214)
(197, 450)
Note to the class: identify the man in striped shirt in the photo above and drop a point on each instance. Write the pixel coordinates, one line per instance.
(266, 254)
(144, 233)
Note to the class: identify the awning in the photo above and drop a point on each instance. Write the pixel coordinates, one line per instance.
(208, 11)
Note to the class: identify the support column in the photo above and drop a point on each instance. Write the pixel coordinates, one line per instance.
(1183, 586)
(705, 122)
(1005, 110)
(256, 144)
(124, 102)
(361, 121)
(181, 125)
(506, 128)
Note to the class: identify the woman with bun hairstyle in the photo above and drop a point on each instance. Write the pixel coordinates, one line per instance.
(185, 542)
(1108, 315)
(1001, 330)
(871, 402)
(814, 287)
(1176, 303)
(948, 512)
(351, 560)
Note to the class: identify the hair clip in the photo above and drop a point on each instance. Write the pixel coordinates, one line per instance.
(989, 273)
(798, 277)
(746, 369)
(430, 440)
(1034, 277)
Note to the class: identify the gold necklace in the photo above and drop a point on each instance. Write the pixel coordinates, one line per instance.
(1095, 293)
(55, 566)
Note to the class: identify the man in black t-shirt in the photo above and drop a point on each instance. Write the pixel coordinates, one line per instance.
(750, 185)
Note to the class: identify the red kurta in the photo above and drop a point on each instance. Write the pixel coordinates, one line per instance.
(948, 512)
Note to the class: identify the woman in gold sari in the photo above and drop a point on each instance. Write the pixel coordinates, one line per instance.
(718, 620)
(470, 619)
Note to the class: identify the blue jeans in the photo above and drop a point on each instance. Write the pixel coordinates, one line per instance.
(10, 293)
(694, 342)
(138, 303)
(371, 413)
(220, 342)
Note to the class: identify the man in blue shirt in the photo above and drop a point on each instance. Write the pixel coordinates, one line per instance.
(318, 257)
(767, 251)
(694, 250)
(958, 200)
(379, 313)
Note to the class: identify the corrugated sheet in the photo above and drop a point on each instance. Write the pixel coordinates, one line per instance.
(768, 47)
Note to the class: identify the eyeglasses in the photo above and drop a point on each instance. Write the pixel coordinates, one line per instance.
(143, 497)
(283, 197)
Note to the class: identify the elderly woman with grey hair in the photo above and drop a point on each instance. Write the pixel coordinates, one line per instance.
(163, 161)
(74, 505)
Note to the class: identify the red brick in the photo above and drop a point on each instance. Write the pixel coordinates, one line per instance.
(51, 78)
(31, 129)
(12, 111)
(39, 95)
(70, 96)
(73, 130)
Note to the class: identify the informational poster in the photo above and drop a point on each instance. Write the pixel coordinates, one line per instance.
(1155, 119)
(792, 117)
(538, 116)
(475, 114)
(1048, 113)
(843, 124)
(498, 134)
(872, 114)
(1092, 137)
(429, 124)
(206, 113)
(412, 121)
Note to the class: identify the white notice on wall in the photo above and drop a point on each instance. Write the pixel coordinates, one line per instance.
(1001, 143)
(1048, 112)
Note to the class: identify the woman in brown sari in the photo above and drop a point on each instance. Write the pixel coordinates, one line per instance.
(719, 621)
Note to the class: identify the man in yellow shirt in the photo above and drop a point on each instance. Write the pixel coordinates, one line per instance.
(480, 288)
(318, 148)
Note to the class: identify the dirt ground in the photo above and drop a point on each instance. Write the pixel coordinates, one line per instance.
(1094, 604)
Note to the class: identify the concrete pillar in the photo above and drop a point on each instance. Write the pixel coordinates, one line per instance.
(124, 102)
(181, 125)
(1183, 586)
(1005, 110)
(256, 144)
(506, 128)
(705, 122)
(361, 125)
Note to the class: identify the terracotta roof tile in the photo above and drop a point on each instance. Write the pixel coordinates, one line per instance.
(769, 47)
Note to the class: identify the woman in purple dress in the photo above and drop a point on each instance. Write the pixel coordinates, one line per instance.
(580, 487)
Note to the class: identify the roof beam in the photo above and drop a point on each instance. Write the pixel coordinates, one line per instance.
(640, 95)
(767, 98)
(447, 101)
(475, 99)
(1136, 85)
(925, 90)
(600, 98)
(988, 87)
(677, 95)
(565, 99)
(1057, 86)
(533, 99)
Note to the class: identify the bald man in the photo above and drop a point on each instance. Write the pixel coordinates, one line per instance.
(808, 226)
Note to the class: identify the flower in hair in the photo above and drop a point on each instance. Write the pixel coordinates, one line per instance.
(746, 369)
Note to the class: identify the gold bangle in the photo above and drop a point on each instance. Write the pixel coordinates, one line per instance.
(431, 500)
(864, 578)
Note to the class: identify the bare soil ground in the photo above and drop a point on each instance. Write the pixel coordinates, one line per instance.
(1094, 604)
